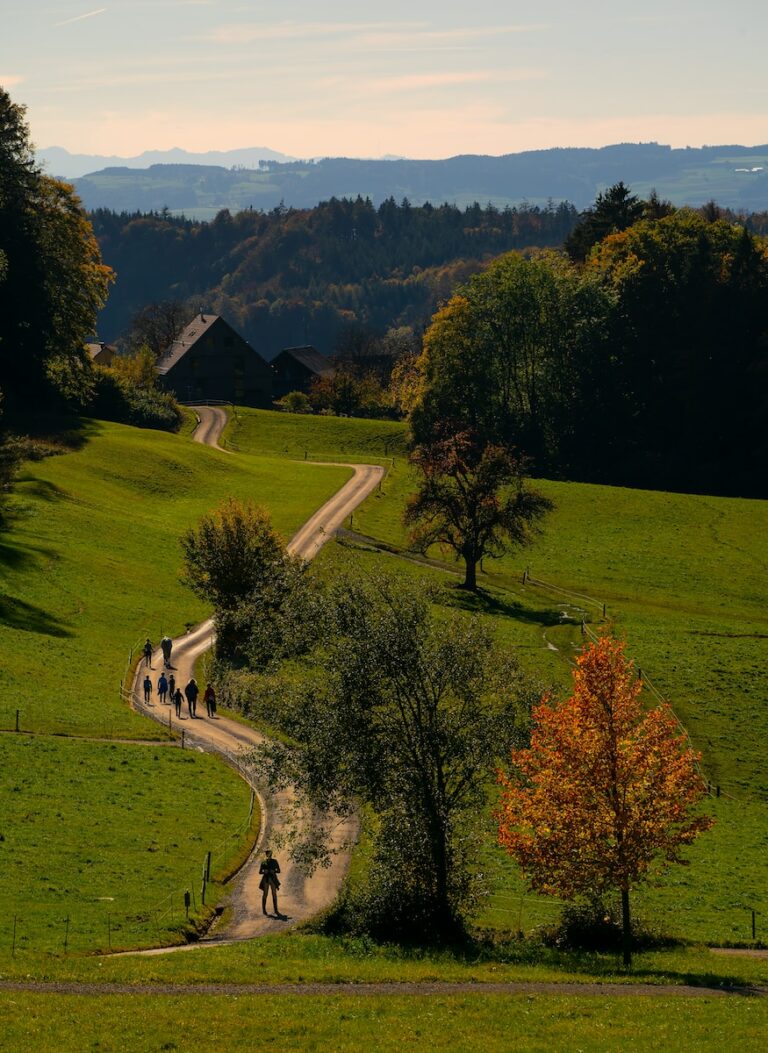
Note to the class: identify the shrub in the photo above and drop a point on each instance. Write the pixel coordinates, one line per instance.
(118, 400)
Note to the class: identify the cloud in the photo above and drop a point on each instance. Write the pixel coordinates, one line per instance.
(248, 33)
(9, 80)
(418, 81)
(79, 18)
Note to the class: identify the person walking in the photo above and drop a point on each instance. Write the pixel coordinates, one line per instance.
(210, 700)
(147, 690)
(166, 646)
(178, 698)
(148, 653)
(269, 870)
(192, 691)
(162, 688)
(171, 686)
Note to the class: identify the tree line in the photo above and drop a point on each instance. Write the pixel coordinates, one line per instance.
(295, 276)
(638, 357)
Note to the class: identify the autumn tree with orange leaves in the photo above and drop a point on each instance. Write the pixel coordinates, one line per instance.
(605, 790)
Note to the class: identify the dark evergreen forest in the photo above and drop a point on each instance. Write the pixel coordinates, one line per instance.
(297, 276)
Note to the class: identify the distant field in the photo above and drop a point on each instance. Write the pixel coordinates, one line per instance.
(321, 438)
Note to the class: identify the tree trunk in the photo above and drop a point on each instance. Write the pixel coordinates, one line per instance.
(626, 928)
(470, 573)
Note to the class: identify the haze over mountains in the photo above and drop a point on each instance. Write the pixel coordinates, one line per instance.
(60, 162)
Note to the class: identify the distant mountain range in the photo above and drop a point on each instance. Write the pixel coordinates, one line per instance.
(734, 176)
(60, 162)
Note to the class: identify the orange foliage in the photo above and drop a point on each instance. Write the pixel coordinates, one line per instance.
(604, 789)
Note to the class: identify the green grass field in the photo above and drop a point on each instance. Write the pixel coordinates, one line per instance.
(535, 1023)
(75, 571)
(99, 842)
(683, 578)
(88, 567)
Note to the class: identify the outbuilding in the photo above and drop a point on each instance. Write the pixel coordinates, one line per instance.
(296, 367)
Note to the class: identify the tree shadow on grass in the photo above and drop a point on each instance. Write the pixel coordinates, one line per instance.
(17, 614)
(483, 602)
(40, 488)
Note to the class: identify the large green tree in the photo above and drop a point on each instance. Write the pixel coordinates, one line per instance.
(473, 499)
(404, 715)
(504, 357)
(54, 283)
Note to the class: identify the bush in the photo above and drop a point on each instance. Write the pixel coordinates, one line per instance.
(594, 925)
(295, 402)
(118, 400)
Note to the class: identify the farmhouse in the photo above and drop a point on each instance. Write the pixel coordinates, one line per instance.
(296, 367)
(209, 360)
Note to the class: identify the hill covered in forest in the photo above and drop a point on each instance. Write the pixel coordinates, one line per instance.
(735, 176)
(291, 276)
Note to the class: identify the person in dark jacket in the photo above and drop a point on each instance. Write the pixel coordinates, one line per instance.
(148, 653)
(171, 686)
(166, 646)
(269, 870)
(192, 691)
(210, 700)
(178, 698)
(147, 689)
(162, 688)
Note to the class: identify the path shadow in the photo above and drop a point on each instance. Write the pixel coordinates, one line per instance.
(17, 614)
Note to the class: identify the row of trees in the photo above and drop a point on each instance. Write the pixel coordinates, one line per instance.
(404, 714)
(644, 365)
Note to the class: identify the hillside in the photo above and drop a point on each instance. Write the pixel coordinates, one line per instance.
(735, 176)
(290, 277)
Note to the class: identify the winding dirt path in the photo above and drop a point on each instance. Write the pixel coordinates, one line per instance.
(299, 896)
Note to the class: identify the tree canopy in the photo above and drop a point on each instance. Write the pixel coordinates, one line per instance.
(54, 281)
(604, 791)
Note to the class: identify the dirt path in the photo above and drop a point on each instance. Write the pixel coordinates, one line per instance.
(300, 897)
(355, 990)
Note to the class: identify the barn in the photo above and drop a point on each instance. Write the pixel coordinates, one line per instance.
(210, 360)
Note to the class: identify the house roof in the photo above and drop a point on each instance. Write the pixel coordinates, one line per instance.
(308, 357)
(95, 348)
(196, 329)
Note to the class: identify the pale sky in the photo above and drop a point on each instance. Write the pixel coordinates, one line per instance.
(425, 78)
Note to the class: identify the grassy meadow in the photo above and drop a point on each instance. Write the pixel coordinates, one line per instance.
(88, 567)
(353, 1022)
(683, 579)
(82, 581)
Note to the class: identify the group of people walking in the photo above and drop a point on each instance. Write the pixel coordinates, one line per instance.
(168, 691)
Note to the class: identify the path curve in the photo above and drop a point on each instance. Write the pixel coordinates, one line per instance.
(300, 897)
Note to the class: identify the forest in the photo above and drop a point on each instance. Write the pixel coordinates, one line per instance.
(304, 276)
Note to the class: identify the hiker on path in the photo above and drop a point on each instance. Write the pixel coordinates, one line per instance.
(162, 688)
(171, 686)
(192, 691)
(147, 690)
(166, 646)
(148, 653)
(210, 700)
(269, 870)
(178, 698)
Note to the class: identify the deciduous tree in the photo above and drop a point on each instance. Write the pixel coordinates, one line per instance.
(605, 791)
(473, 498)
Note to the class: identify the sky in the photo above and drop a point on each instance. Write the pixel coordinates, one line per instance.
(426, 78)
